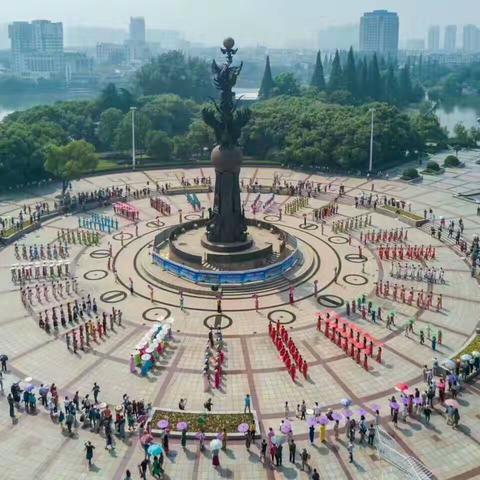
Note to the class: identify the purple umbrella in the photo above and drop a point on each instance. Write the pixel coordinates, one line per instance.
(181, 426)
(286, 428)
(336, 416)
(323, 420)
(394, 405)
(405, 400)
(162, 424)
(361, 412)
(29, 388)
(375, 406)
(347, 413)
(311, 421)
(243, 428)
(417, 401)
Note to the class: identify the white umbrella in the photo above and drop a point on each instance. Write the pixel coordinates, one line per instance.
(449, 364)
(475, 353)
(466, 357)
(215, 444)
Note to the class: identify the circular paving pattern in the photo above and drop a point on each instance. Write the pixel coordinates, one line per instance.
(122, 236)
(95, 274)
(330, 301)
(355, 279)
(100, 253)
(155, 224)
(283, 316)
(308, 226)
(272, 218)
(192, 216)
(355, 258)
(218, 321)
(113, 296)
(338, 240)
(156, 314)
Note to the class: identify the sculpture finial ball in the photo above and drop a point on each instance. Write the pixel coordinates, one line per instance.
(229, 43)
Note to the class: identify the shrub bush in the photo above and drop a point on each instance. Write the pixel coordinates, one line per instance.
(451, 161)
(410, 173)
(432, 165)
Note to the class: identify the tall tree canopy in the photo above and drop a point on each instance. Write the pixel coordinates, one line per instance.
(318, 77)
(172, 72)
(267, 85)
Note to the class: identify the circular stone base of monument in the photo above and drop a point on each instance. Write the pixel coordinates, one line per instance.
(227, 247)
(261, 247)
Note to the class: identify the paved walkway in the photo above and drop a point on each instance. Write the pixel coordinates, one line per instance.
(35, 448)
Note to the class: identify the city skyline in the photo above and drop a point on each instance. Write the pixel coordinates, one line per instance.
(255, 23)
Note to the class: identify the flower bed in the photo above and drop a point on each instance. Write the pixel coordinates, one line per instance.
(403, 215)
(210, 423)
(472, 346)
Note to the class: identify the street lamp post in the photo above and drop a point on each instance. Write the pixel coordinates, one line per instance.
(370, 165)
(134, 160)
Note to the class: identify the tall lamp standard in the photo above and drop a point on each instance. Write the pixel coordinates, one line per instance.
(370, 165)
(134, 160)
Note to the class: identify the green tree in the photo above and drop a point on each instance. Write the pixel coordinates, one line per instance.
(109, 122)
(201, 138)
(318, 77)
(123, 134)
(267, 85)
(405, 84)
(159, 145)
(173, 73)
(182, 149)
(350, 74)
(70, 161)
(391, 86)
(286, 84)
(169, 113)
(362, 78)
(335, 82)
(111, 97)
(375, 90)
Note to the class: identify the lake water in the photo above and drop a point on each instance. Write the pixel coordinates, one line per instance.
(465, 110)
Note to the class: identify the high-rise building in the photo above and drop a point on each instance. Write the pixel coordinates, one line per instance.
(137, 30)
(471, 38)
(433, 42)
(450, 41)
(37, 48)
(379, 32)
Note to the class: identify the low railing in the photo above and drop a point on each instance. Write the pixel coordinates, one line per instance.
(389, 451)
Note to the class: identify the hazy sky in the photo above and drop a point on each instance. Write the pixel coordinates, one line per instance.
(271, 22)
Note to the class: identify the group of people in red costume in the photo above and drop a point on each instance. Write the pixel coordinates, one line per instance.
(424, 300)
(288, 350)
(415, 252)
(377, 236)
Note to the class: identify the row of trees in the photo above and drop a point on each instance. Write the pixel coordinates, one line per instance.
(354, 81)
(309, 132)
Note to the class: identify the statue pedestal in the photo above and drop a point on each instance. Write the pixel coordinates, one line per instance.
(227, 225)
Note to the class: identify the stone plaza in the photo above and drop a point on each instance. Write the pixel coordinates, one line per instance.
(336, 266)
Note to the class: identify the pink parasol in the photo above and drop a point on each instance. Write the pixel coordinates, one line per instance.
(286, 428)
(162, 424)
(243, 428)
(181, 426)
(146, 439)
(323, 420)
(311, 421)
(452, 403)
(336, 416)
(400, 387)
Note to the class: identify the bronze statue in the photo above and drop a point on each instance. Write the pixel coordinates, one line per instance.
(227, 224)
